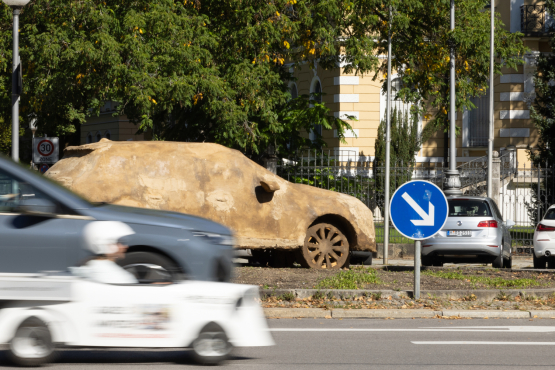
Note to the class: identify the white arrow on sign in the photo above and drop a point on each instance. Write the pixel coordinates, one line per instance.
(427, 218)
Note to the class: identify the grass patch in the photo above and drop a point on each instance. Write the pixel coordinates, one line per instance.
(494, 282)
(350, 279)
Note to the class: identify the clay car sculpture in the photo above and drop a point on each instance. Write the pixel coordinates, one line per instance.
(221, 184)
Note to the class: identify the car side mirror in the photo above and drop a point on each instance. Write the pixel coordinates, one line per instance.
(509, 223)
(36, 205)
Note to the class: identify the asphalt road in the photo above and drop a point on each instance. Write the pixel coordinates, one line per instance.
(361, 344)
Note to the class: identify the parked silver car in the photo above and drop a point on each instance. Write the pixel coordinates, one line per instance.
(474, 233)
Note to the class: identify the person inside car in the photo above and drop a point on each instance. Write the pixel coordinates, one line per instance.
(106, 240)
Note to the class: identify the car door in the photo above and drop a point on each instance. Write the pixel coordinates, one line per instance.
(36, 231)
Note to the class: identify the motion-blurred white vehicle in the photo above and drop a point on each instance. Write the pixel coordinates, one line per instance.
(40, 312)
(544, 241)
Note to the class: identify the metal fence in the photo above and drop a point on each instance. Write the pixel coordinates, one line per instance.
(523, 192)
(524, 196)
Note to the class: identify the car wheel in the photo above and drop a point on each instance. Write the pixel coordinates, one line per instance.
(150, 267)
(539, 262)
(211, 346)
(498, 262)
(325, 247)
(508, 263)
(437, 262)
(426, 261)
(32, 344)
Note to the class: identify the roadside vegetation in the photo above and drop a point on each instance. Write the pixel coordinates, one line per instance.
(481, 281)
(355, 278)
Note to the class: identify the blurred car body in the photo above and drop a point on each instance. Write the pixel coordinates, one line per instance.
(40, 312)
(544, 241)
(474, 232)
(41, 227)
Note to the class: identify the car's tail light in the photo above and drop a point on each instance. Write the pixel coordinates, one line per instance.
(490, 223)
(427, 245)
(493, 246)
(542, 227)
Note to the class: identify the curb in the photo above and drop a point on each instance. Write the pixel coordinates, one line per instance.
(485, 294)
(318, 313)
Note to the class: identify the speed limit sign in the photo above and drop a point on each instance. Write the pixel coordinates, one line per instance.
(45, 150)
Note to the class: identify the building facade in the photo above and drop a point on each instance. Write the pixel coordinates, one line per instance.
(361, 96)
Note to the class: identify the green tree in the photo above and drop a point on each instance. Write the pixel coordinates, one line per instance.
(218, 70)
(405, 142)
(543, 117)
(421, 45)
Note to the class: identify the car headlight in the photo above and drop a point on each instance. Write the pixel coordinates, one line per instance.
(214, 238)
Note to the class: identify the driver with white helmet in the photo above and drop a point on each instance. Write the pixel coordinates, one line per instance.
(104, 239)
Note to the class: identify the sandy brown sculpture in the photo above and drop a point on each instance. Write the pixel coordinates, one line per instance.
(221, 184)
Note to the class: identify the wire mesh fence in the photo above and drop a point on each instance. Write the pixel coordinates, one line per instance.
(524, 193)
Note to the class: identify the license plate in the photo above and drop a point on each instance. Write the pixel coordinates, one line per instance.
(459, 233)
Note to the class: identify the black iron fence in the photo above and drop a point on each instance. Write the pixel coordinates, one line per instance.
(524, 197)
(524, 193)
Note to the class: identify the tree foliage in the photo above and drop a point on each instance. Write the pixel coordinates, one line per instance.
(543, 117)
(405, 142)
(422, 58)
(218, 70)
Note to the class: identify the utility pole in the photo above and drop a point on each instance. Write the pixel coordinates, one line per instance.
(387, 145)
(491, 99)
(16, 6)
(452, 183)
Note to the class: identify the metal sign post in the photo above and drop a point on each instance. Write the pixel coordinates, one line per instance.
(418, 211)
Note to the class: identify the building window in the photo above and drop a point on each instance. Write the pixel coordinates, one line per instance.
(396, 85)
(478, 121)
(107, 135)
(98, 136)
(89, 138)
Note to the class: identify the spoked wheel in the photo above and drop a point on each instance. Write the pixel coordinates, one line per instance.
(212, 345)
(325, 247)
(32, 344)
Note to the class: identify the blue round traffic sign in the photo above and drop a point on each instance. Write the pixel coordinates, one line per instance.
(418, 209)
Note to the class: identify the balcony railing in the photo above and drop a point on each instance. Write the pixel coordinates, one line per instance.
(534, 20)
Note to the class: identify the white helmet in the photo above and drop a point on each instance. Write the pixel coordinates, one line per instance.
(101, 237)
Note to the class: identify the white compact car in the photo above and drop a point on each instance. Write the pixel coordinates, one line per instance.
(40, 312)
(544, 241)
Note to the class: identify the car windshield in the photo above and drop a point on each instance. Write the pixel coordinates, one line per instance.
(468, 208)
(550, 215)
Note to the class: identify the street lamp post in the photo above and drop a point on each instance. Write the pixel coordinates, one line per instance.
(387, 145)
(491, 100)
(452, 184)
(16, 6)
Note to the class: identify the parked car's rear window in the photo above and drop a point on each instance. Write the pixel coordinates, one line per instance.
(550, 215)
(468, 208)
